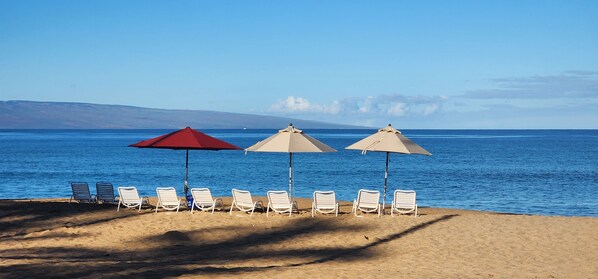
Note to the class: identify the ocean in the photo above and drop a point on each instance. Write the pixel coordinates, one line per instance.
(546, 172)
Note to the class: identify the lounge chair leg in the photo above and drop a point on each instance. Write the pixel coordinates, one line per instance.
(118, 207)
(267, 210)
(141, 203)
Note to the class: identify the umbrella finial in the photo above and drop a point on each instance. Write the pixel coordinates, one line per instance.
(389, 125)
(291, 124)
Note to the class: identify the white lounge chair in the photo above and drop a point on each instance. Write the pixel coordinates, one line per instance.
(202, 199)
(105, 192)
(324, 202)
(367, 201)
(403, 202)
(129, 197)
(242, 200)
(279, 202)
(81, 192)
(168, 199)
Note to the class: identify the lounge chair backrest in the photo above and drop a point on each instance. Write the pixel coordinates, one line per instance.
(81, 191)
(324, 202)
(325, 199)
(105, 191)
(404, 202)
(128, 195)
(278, 199)
(280, 202)
(202, 196)
(203, 200)
(243, 198)
(167, 196)
(404, 199)
(368, 198)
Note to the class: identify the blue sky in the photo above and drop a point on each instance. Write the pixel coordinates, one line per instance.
(416, 64)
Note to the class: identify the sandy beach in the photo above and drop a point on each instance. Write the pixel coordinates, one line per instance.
(54, 238)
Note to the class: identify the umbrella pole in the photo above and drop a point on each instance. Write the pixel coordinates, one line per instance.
(187, 173)
(291, 175)
(385, 182)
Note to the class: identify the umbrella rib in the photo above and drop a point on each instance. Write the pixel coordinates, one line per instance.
(365, 150)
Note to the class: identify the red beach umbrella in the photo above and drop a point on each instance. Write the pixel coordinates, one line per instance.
(186, 139)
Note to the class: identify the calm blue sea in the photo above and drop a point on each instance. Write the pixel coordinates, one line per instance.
(548, 172)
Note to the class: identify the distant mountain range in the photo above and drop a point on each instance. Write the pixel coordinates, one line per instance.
(62, 115)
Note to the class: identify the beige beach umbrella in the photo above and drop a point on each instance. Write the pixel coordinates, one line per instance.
(290, 140)
(389, 140)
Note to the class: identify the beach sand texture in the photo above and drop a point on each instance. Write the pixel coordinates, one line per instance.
(52, 238)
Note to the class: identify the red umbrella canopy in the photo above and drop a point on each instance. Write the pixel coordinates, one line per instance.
(186, 139)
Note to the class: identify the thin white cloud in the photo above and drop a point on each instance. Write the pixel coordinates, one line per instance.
(366, 106)
(292, 104)
(431, 109)
(335, 107)
(558, 101)
(370, 106)
(398, 109)
(569, 85)
(297, 105)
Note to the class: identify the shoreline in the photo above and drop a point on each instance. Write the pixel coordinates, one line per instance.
(305, 206)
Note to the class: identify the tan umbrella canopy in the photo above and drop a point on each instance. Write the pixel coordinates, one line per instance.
(290, 140)
(388, 139)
